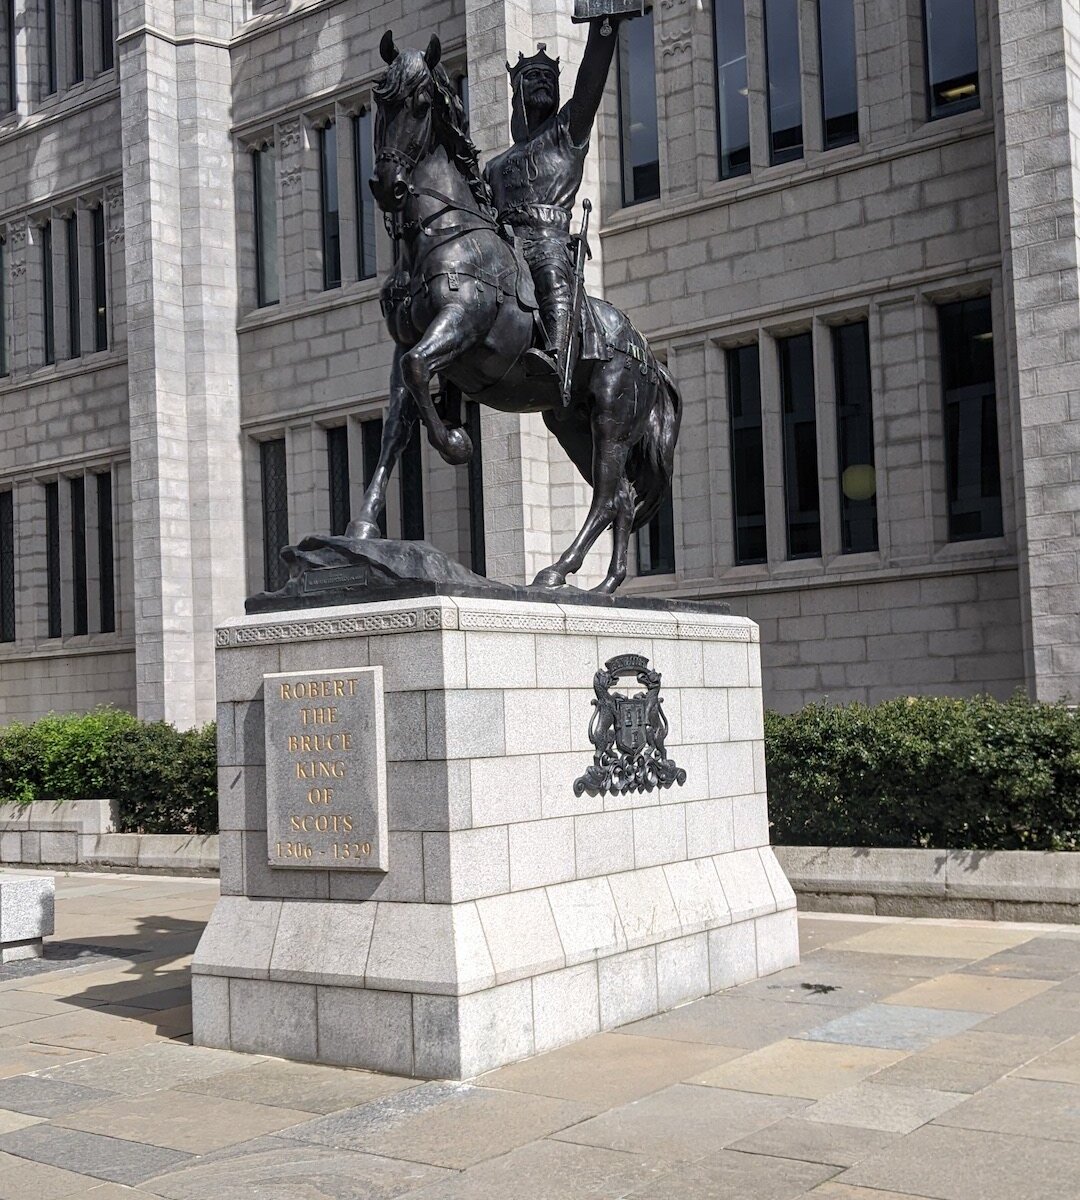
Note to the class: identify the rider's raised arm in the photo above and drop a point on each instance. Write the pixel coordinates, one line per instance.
(582, 106)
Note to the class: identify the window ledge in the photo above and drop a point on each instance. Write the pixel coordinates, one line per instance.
(357, 292)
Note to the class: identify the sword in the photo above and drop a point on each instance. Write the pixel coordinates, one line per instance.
(576, 302)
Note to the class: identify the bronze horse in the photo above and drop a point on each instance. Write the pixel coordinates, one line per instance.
(457, 306)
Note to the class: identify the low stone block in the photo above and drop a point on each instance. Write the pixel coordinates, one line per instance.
(645, 907)
(11, 847)
(59, 849)
(210, 1012)
(195, 853)
(777, 941)
(587, 919)
(362, 1028)
(21, 951)
(26, 907)
(521, 934)
(745, 884)
(682, 970)
(627, 984)
(732, 955)
(14, 817)
(273, 1018)
(466, 864)
(698, 896)
(238, 939)
(431, 948)
(566, 1006)
(109, 849)
(457, 1037)
(74, 816)
(323, 942)
(782, 890)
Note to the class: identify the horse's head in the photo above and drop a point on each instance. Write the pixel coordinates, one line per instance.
(404, 123)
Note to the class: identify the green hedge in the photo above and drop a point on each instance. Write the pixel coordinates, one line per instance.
(972, 774)
(164, 779)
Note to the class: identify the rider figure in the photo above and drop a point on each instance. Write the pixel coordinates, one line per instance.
(536, 181)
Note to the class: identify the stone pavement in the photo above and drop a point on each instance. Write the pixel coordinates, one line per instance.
(904, 1058)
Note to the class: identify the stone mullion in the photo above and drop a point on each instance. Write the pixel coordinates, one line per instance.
(93, 563)
(702, 463)
(757, 85)
(294, 256)
(115, 272)
(676, 26)
(61, 327)
(810, 74)
(827, 449)
(881, 441)
(772, 429)
(86, 278)
(18, 250)
(347, 214)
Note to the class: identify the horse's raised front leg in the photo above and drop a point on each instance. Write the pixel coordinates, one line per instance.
(401, 416)
(447, 337)
(609, 473)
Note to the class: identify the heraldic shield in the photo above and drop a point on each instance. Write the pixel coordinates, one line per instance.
(628, 733)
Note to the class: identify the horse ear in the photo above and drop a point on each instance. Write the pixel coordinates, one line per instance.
(433, 52)
(387, 48)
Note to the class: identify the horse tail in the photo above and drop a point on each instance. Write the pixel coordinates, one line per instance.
(652, 463)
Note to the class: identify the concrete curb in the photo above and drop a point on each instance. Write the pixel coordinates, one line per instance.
(995, 885)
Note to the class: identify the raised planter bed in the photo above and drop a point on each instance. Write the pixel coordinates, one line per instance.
(993, 885)
(82, 834)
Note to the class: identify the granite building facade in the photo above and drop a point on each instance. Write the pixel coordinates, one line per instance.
(850, 227)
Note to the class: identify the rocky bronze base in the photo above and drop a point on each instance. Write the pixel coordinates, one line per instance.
(330, 571)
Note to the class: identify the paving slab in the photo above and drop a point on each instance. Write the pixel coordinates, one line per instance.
(677, 1123)
(970, 993)
(38, 1096)
(730, 1173)
(443, 1124)
(304, 1086)
(148, 1068)
(552, 1170)
(843, 1191)
(938, 939)
(889, 1108)
(794, 1067)
(610, 1069)
(1038, 1108)
(966, 1164)
(893, 1026)
(15, 1120)
(729, 1019)
(271, 1169)
(1062, 1064)
(180, 1121)
(815, 1141)
(109, 1158)
(21, 1179)
(1055, 1013)
(912, 967)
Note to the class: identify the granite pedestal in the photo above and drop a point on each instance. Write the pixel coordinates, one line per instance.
(514, 915)
(26, 915)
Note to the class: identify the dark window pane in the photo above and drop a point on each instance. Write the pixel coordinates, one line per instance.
(477, 537)
(365, 201)
(839, 85)
(337, 461)
(952, 56)
(75, 9)
(106, 570)
(371, 441)
(732, 104)
(3, 309)
(101, 294)
(784, 80)
(463, 92)
(275, 506)
(971, 439)
(71, 230)
(656, 541)
(52, 558)
(50, 47)
(47, 293)
(7, 567)
(747, 462)
(266, 273)
(412, 489)
(78, 553)
(12, 84)
(106, 35)
(328, 195)
(638, 137)
(855, 438)
(800, 446)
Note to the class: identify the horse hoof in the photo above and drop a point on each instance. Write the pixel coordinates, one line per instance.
(458, 449)
(549, 578)
(362, 530)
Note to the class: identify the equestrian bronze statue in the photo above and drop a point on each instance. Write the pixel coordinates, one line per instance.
(486, 297)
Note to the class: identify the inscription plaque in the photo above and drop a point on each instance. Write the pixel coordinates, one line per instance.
(326, 770)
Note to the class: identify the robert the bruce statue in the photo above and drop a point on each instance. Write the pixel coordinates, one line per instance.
(536, 181)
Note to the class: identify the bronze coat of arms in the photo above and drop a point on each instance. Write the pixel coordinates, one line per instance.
(628, 733)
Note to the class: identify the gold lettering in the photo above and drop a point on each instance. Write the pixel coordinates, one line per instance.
(318, 716)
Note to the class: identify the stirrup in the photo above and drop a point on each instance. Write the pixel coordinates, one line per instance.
(540, 363)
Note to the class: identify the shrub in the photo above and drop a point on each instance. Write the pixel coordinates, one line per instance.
(972, 774)
(164, 779)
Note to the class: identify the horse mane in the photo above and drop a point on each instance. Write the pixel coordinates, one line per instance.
(402, 77)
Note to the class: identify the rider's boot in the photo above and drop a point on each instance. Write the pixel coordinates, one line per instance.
(550, 362)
